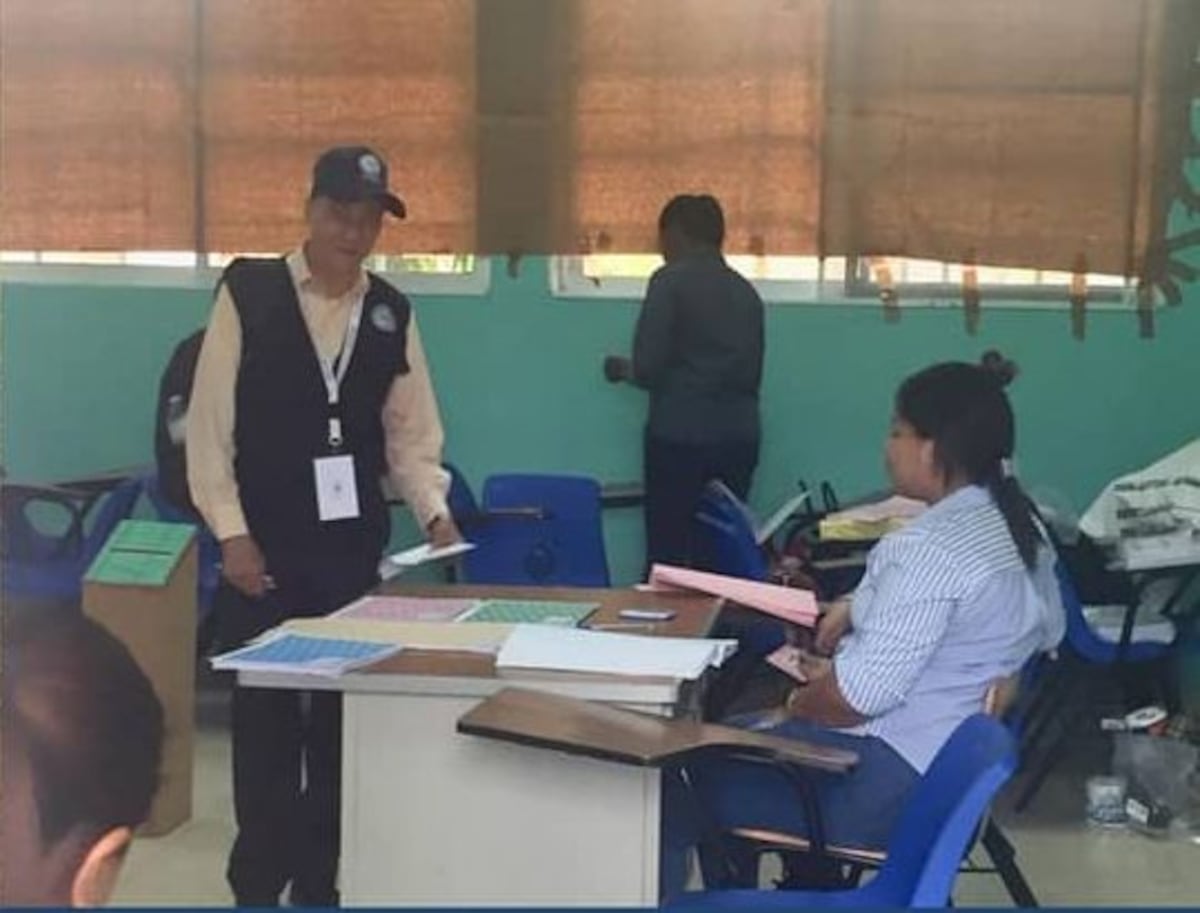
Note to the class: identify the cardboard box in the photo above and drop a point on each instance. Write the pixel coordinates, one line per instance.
(142, 587)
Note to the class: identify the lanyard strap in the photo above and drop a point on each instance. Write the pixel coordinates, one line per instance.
(333, 379)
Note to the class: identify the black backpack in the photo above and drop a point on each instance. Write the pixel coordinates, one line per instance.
(174, 394)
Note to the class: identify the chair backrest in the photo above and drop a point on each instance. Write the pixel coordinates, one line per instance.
(539, 530)
(461, 500)
(114, 507)
(39, 524)
(733, 549)
(208, 551)
(1080, 636)
(42, 563)
(943, 814)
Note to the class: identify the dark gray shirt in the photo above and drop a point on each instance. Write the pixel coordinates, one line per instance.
(698, 350)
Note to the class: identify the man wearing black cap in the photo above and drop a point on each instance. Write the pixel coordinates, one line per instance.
(311, 386)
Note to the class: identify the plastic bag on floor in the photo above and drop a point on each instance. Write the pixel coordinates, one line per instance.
(1164, 787)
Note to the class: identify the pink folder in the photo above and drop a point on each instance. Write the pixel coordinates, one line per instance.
(797, 606)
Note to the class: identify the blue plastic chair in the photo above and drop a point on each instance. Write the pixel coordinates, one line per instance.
(736, 553)
(52, 535)
(461, 501)
(995, 843)
(1085, 643)
(538, 530)
(928, 844)
(208, 574)
(731, 540)
(1067, 689)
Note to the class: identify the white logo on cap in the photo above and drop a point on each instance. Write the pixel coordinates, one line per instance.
(383, 318)
(370, 168)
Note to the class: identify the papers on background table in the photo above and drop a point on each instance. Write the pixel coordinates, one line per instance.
(1147, 553)
(288, 652)
(797, 606)
(1161, 499)
(767, 528)
(549, 648)
(870, 521)
(418, 555)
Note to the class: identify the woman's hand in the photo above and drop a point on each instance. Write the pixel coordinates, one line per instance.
(832, 627)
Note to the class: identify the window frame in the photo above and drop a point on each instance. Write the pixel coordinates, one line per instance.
(568, 281)
(203, 275)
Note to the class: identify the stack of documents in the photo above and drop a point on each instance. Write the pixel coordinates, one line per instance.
(1144, 553)
(414, 635)
(407, 608)
(539, 612)
(870, 521)
(548, 648)
(423, 623)
(298, 653)
(793, 605)
(419, 555)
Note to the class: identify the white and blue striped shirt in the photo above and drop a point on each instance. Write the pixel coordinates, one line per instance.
(946, 607)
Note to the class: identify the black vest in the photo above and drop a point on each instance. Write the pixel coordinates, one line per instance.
(282, 419)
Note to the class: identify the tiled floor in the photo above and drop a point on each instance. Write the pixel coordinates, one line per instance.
(1066, 862)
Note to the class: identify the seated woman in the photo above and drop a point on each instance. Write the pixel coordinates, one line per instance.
(959, 598)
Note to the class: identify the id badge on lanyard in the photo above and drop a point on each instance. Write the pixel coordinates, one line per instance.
(336, 482)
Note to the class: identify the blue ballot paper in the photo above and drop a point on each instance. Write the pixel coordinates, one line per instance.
(304, 654)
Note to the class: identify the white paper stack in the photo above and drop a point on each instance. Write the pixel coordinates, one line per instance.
(419, 555)
(547, 648)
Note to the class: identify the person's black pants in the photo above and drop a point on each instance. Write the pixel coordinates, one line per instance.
(287, 748)
(287, 796)
(675, 476)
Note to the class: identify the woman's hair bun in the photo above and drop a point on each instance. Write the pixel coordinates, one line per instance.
(1003, 370)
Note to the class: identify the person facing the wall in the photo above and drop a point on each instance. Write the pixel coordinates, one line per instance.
(698, 352)
(311, 386)
(81, 735)
(957, 600)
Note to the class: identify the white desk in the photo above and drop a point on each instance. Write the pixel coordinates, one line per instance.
(430, 816)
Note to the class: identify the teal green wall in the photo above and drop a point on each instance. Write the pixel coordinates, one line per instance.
(518, 378)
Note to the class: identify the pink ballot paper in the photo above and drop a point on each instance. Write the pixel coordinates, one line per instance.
(797, 606)
(787, 659)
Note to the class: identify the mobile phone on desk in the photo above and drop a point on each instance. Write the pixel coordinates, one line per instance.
(646, 614)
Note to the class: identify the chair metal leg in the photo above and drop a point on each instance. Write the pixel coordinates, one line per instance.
(1036, 727)
(1071, 706)
(1004, 857)
(1059, 700)
(1048, 761)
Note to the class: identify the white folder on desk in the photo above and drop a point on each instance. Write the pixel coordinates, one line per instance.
(549, 648)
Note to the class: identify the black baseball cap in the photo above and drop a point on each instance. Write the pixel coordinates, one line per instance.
(350, 174)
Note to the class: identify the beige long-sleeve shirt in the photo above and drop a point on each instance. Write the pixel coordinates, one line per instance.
(411, 422)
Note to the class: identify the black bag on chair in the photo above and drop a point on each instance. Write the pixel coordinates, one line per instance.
(174, 394)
